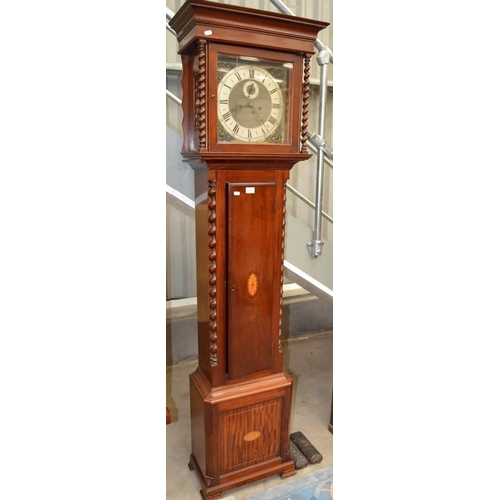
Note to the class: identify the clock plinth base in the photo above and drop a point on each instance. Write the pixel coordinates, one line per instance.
(215, 492)
(289, 472)
(240, 431)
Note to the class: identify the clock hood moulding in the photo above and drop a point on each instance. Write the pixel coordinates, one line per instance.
(237, 161)
(203, 19)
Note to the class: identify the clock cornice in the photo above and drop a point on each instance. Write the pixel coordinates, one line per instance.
(244, 26)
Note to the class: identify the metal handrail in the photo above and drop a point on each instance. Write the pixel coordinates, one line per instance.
(314, 150)
(319, 143)
(173, 97)
(286, 10)
(307, 201)
(170, 15)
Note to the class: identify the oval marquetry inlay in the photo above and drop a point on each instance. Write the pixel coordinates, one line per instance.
(251, 436)
(252, 284)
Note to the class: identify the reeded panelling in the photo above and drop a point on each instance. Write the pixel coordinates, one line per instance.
(250, 435)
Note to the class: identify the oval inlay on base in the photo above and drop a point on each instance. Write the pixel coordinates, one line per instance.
(251, 436)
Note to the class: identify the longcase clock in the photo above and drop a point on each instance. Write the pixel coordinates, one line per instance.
(245, 103)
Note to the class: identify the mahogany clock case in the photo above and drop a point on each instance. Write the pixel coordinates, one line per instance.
(240, 395)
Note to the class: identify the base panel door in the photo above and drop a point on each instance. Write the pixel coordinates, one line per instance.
(250, 435)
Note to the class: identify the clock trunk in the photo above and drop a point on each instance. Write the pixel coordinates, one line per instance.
(253, 283)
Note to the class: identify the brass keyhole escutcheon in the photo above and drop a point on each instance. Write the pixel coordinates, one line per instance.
(252, 284)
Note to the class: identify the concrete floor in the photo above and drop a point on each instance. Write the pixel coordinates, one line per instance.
(309, 361)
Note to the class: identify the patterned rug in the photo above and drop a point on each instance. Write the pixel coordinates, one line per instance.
(317, 485)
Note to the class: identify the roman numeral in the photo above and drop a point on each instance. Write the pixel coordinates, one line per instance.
(226, 116)
(275, 106)
(251, 73)
(236, 128)
(238, 76)
(249, 134)
(272, 120)
(225, 101)
(273, 91)
(228, 86)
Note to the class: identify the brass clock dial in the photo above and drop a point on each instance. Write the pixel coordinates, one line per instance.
(250, 103)
(252, 100)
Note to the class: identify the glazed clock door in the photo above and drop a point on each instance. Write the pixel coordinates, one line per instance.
(251, 279)
(252, 100)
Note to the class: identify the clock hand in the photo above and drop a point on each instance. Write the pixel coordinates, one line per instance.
(236, 109)
(255, 112)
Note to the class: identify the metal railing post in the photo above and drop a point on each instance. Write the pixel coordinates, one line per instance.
(324, 57)
(315, 246)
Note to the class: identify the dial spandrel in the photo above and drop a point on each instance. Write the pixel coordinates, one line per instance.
(252, 100)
